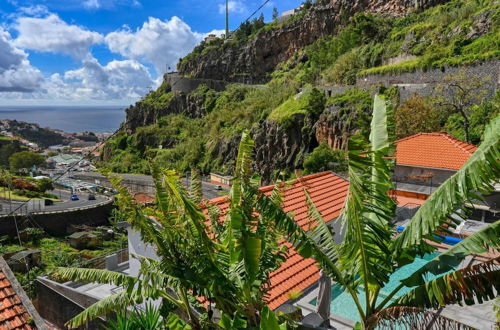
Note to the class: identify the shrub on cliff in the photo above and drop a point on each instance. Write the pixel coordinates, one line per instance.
(325, 158)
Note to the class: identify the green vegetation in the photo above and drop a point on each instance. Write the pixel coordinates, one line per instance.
(25, 160)
(309, 102)
(449, 34)
(324, 158)
(57, 252)
(188, 142)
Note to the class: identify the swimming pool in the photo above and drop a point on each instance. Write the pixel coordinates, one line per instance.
(343, 305)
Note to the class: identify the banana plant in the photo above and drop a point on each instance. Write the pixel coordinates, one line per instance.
(223, 261)
(372, 250)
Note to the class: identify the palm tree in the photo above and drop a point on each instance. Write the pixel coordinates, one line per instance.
(372, 250)
(225, 263)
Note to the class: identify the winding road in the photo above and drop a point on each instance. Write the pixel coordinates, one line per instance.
(66, 203)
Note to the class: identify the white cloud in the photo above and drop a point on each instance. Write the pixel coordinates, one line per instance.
(233, 6)
(116, 80)
(91, 4)
(36, 10)
(158, 42)
(16, 72)
(51, 34)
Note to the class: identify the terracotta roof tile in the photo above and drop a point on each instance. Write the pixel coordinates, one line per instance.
(437, 150)
(142, 198)
(13, 312)
(328, 192)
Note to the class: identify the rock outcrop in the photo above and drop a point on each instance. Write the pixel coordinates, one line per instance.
(253, 61)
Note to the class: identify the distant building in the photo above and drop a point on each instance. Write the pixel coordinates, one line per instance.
(210, 37)
(218, 178)
(63, 160)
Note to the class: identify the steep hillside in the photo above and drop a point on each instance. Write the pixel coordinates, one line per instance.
(290, 115)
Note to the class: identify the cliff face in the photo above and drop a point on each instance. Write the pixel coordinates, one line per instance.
(256, 59)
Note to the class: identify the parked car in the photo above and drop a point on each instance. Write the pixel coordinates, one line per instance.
(48, 202)
(91, 197)
(218, 188)
(74, 197)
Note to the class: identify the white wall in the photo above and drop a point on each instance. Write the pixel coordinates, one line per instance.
(137, 247)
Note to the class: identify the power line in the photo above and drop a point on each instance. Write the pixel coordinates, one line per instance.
(255, 12)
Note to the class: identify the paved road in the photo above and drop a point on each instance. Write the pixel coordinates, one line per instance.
(58, 206)
(209, 189)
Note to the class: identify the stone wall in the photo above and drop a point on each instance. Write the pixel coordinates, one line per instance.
(424, 83)
(57, 222)
(186, 85)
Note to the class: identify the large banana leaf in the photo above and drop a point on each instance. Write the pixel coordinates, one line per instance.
(476, 176)
(369, 209)
(471, 285)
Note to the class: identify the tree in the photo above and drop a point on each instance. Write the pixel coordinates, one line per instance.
(44, 185)
(416, 115)
(371, 249)
(458, 94)
(324, 158)
(275, 14)
(228, 263)
(6, 151)
(25, 160)
(480, 116)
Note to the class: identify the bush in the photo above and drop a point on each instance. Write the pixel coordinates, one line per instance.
(325, 158)
(344, 70)
(416, 115)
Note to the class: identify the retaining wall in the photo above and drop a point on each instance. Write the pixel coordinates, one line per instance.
(186, 85)
(424, 83)
(57, 222)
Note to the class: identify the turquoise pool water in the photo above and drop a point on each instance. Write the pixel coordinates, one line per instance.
(343, 305)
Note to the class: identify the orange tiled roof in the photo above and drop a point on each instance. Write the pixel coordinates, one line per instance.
(13, 311)
(328, 192)
(437, 150)
(143, 198)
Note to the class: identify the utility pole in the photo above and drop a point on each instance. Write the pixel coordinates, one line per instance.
(227, 19)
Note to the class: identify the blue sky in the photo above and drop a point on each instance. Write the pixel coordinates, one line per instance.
(103, 51)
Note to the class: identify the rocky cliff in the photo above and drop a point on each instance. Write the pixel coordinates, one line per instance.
(253, 61)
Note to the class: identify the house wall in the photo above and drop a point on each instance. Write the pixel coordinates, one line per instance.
(58, 304)
(137, 247)
(404, 174)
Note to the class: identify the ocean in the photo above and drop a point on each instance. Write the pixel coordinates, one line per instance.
(98, 119)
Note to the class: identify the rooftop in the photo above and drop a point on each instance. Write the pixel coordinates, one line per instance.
(328, 192)
(435, 150)
(16, 310)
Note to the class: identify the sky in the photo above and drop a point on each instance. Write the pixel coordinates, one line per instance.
(103, 52)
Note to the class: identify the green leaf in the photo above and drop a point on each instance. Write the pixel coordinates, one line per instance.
(174, 322)
(253, 251)
(379, 135)
(269, 321)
